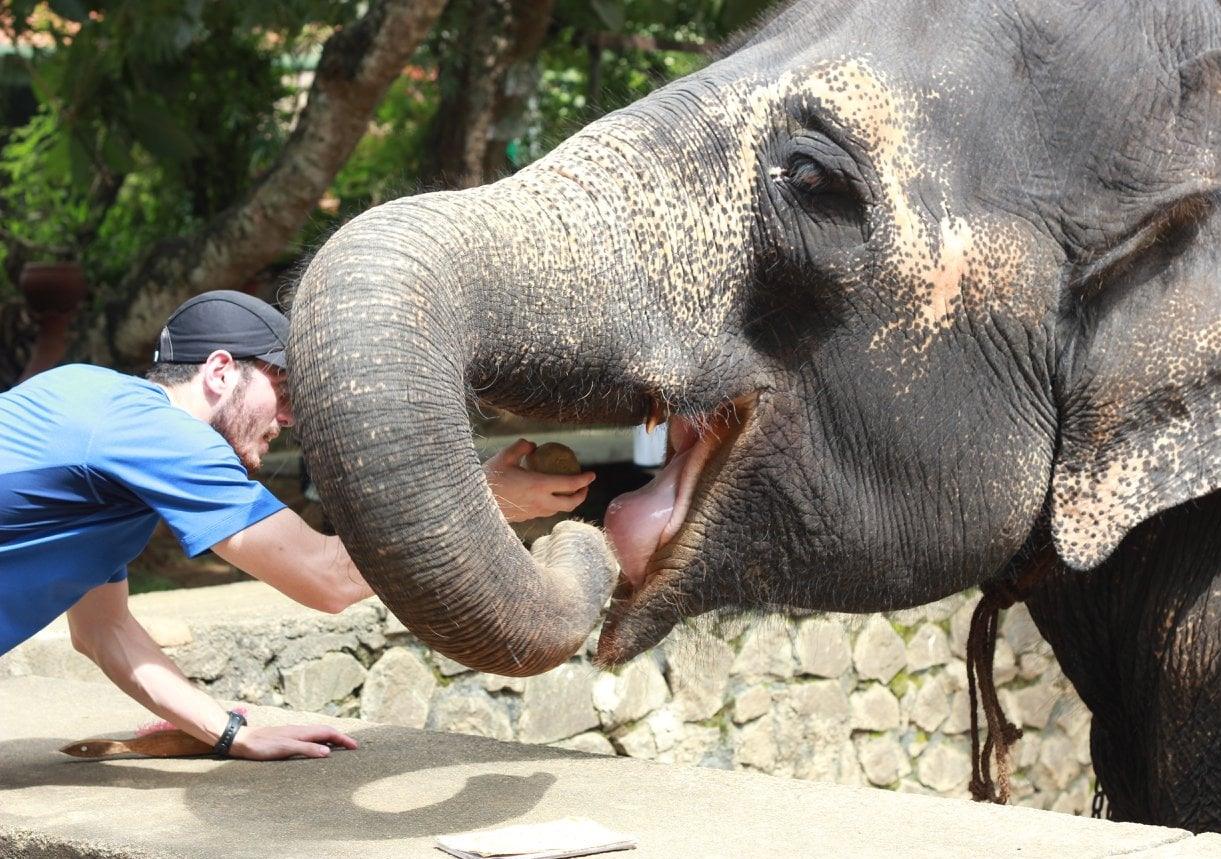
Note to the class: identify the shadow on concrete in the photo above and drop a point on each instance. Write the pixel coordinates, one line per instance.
(315, 799)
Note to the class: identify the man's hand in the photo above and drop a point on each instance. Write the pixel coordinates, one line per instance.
(287, 741)
(524, 494)
(104, 629)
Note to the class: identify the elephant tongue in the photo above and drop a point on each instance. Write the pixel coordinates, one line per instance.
(636, 521)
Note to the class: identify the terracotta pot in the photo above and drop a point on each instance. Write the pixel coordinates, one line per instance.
(53, 291)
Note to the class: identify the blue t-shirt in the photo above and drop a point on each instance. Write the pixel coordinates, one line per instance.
(89, 460)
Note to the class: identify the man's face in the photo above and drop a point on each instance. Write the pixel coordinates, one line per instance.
(253, 413)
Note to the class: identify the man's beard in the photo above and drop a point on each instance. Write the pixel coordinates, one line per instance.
(240, 428)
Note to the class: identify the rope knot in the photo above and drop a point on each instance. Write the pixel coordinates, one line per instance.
(1004, 593)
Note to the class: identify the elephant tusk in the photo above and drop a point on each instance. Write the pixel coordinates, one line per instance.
(658, 415)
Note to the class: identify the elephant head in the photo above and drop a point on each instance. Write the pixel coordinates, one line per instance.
(904, 277)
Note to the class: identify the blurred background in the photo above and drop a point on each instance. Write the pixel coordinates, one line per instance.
(171, 146)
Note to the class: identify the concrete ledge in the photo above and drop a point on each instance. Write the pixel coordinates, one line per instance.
(403, 787)
(877, 700)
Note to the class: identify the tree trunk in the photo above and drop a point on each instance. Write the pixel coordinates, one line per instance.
(593, 92)
(357, 66)
(487, 80)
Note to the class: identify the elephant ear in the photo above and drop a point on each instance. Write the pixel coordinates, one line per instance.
(1141, 379)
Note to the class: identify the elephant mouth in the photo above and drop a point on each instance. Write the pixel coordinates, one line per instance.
(646, 526)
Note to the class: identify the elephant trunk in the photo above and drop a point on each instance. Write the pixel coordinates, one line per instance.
(383, 346)
(556, 292)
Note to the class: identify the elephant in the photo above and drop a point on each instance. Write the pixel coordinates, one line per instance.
(929, 292)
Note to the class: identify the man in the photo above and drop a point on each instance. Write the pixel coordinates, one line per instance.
(91, 459)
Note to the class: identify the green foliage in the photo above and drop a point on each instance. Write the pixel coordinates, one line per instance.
(388, 156)
(153, 117)
(144, 212)
(44, 206)
(388, 159)
(568, 98)
(711, 19)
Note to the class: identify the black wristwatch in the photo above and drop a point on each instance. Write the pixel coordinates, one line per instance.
(221, 749)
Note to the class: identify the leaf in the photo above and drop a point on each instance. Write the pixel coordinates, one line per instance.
(79, 161)
(58, 157)
(116, 153)
(610, 13)
(47, 80)
(13, 71)
(73, 10)
(155, 129)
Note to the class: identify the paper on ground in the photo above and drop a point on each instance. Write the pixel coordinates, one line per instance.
(571, 836)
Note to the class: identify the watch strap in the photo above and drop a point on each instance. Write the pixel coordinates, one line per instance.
(236, 720)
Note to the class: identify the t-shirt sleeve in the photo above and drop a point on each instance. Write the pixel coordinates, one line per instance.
(119, 575)
(181, 468)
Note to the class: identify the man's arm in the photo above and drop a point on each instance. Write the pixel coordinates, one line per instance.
(104, 629)
(316, 571)
(296, 560)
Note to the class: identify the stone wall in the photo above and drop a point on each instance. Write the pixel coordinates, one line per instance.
(873, 700)
(866, 700)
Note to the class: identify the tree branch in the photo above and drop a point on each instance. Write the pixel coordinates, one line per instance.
(497, 37)
(634, 42)
(357, 66)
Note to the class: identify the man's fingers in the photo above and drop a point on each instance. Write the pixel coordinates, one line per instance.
(310, 750)
(335, 738)
(323, 734)
(287, 741)
(568, 503)
(514, 452)
(298, 740)
(573, 483)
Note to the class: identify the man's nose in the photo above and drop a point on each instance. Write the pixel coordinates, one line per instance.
(284, 415)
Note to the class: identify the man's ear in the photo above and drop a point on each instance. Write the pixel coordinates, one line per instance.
(1141, 415)
(218, 373)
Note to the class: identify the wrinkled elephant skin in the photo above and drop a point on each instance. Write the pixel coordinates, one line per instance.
(923, 287)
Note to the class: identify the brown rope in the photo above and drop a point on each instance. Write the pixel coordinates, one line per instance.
(981, 684)
(1002, 734)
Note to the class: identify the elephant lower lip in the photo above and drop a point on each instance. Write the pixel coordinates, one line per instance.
(642, 524)
(637, 522)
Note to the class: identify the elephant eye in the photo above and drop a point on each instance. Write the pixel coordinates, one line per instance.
(802, 167)
(812, 163)
(805, 173)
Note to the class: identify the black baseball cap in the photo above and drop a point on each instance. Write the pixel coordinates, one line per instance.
(242, 325)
